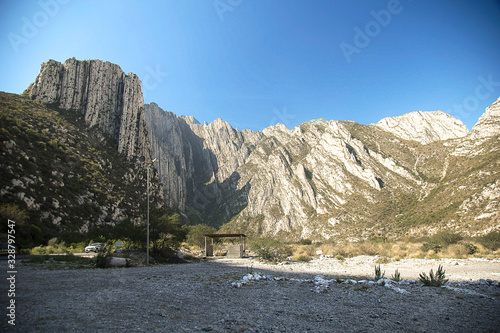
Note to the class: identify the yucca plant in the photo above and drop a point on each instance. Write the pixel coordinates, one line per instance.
(432, 280)
(397, 276)
(378, 273)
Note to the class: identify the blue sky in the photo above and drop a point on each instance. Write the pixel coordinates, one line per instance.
(254, 63)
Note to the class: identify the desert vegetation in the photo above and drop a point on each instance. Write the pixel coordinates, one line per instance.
(443, 244)
(434, 279)
(168, 235)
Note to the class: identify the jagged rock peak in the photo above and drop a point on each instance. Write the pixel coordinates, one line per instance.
(278, 127)
(190, 120)
(424, 126)
(489, 122)
(106, 96)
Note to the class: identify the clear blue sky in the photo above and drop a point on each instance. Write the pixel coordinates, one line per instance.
(254, 63)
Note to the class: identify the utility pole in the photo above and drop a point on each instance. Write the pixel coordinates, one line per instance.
(142, 159)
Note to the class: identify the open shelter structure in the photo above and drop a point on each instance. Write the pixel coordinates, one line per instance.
(233, 251)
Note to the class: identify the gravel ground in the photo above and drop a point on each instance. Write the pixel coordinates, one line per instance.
(248, 296)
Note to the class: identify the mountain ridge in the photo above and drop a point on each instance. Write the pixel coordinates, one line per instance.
(322, 179)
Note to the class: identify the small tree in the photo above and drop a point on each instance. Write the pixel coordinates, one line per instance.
(13, 212)
(166, 234)
(271, 249)
(196, 234)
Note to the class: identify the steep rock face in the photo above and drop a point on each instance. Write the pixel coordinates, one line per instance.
(489, 123)
(197, 163)
(302, 180)
(424, 127)
(105, 96)
(170, 145)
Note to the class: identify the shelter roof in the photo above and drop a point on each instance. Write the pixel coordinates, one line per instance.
(224, 235)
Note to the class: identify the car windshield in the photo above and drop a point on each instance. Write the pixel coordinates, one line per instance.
(95, 244)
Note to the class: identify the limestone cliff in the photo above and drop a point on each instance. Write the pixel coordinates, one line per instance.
(105, 96)
(197, 163)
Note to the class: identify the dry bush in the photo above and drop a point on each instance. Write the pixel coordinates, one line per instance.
(414, 250)
(328, 249)
(456, 251)
(303, 252)
(404, 249)
(309, 250)
(368, 248)
(270, 249)
(302, 257)
(398, 251)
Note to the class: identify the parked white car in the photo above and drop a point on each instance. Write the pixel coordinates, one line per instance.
(95, 247)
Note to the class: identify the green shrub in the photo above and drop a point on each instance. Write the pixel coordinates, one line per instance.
(432, 280)
(340, 257)
(303, 257)
(306, 241)
(102, 258)
(52, 242)
(432, 246)
(38, 250)
(446, 238)
(441, 240)
(490, 240)
(196, 234)
(471, 248)
(270, 249)
(13, 212)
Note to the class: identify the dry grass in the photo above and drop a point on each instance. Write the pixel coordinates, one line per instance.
(395, 250)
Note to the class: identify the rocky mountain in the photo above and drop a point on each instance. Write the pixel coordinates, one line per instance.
(488, 124)
(106, 97)
(330, 179)
(198, 163)
(406, 175)
(62, 178)
(424, 127)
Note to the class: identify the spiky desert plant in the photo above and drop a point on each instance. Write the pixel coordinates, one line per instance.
(378, 272)
(397, 276)
(434, 280)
